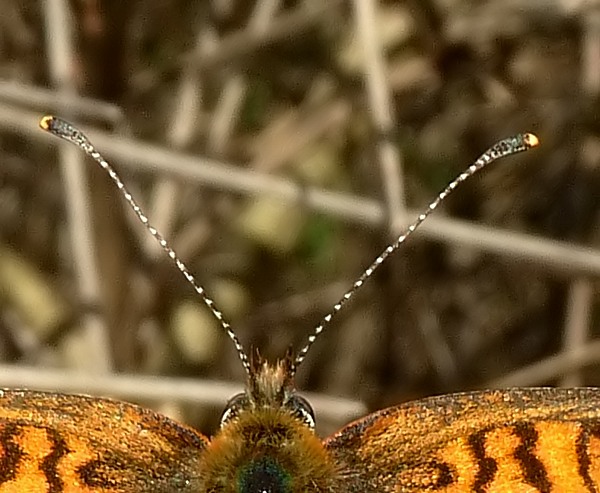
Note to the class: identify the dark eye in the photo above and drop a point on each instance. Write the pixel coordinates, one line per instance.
(301, 408)
(233, 407)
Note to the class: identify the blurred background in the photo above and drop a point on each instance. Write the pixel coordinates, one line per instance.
(280, 146)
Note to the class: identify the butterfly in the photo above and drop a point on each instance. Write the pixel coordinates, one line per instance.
(517, 440)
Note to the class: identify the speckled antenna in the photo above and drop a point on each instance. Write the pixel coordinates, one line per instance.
(505, 147)
(68, 132)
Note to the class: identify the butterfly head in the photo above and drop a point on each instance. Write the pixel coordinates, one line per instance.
(270, 387)
(266, 441)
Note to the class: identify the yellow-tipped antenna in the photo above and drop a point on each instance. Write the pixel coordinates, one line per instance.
(65, 130)
(503, 148)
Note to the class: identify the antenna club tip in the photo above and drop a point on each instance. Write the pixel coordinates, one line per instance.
(46, 122)
(531, 140)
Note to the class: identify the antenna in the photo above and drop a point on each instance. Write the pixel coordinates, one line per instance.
(503, 148)
(64, 130)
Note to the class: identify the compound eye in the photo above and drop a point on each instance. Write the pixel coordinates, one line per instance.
(233, 407)
(301, 408)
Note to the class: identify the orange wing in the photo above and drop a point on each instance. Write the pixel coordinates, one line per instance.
(55, 443)
(512, 441)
